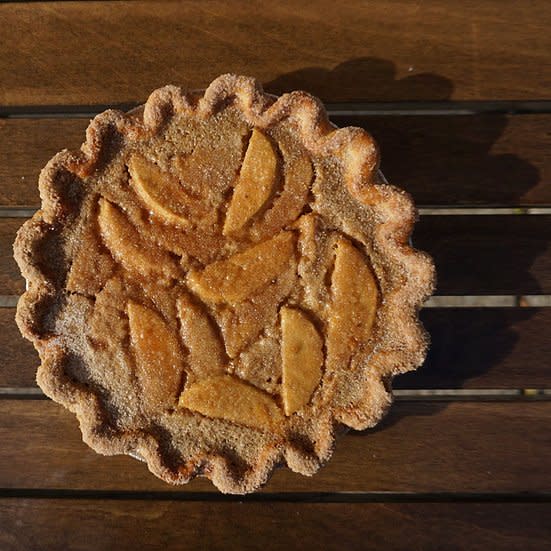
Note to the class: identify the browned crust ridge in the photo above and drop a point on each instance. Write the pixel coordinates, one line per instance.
(400, 348)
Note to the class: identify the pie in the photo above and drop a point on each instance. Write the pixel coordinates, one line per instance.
(219, 280)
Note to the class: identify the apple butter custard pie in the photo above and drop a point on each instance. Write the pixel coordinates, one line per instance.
(219, 280)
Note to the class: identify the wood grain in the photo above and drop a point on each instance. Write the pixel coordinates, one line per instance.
(19, 358)
(473, 254)
(472, 348)
(80, 525)
(484, 348)
(420, 447)
(475, 160)
(446, 160)
(488, 255)
(11, 282)
(26, 145)
(340, 51)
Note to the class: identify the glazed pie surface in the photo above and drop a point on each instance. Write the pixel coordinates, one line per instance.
(218, 280)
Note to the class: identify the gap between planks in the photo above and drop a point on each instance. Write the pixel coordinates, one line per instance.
(424, 108)
(424, 210)
(410, 395)
(282, 497)
(439, 301)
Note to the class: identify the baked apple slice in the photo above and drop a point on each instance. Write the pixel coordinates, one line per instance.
(128, 247)
(238, 277)
(302, 359)
(354, 299)
(255, 183)
(164, 195)
(206, 351)
(227, 397)
(158, 357)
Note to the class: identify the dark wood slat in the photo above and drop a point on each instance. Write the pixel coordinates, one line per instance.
(471, 348)
(462, 51)
(19, 358)
(450, 160)
(474, 255)
(11, 282)
(490, 159)
(53, 524)
(26, 145)
(420, 447)
(484, 348)
(488, 255)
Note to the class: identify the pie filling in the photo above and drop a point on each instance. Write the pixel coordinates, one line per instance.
(248, 298)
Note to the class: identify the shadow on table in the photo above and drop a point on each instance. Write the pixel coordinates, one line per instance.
(443, 159)
(364, 79)
(439, 159)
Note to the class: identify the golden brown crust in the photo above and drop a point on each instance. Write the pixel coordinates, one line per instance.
(238, 459)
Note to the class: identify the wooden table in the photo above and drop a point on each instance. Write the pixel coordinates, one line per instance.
(458, 94)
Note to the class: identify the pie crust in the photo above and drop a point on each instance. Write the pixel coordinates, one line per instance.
(219, 280)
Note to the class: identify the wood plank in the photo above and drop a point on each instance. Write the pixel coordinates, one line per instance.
(488, 255)
(472, 348)
(340, 51)
(484, 348)
(420, 447)
(80, 525)
(19, 358)
(447, 160)
(453, 160)
(26, 145)
(473, 254)
(11, 282)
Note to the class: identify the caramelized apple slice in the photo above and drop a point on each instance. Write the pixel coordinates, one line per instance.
(127, 247)
(288, 204)
(353, 305)
(255, 183)
(302, 359)
(160, 192)
(239, 276)
(241, 323)
(227, 397)
(159, 366)
(206, 351)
